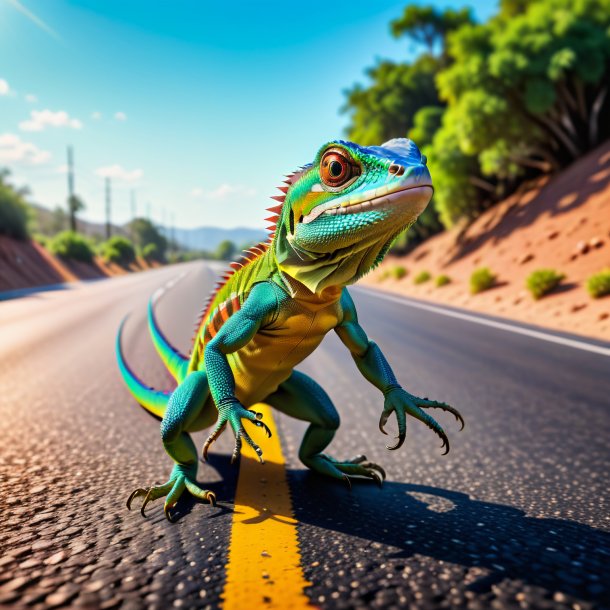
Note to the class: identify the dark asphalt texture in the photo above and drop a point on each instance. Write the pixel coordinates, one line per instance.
(516, 516)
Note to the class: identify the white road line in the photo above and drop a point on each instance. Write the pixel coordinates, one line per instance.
(582, 345)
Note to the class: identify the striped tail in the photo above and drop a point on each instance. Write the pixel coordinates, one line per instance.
(176, 363)
(152, 400)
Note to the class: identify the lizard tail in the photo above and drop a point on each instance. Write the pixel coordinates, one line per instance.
(176, 363)
(152, 400)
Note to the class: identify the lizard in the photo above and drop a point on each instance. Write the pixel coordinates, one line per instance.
(334, 221)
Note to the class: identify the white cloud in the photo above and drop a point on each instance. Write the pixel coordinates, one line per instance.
(224, 191)
(40, 119)
(120, 116)
(61, 169)
(30, 98)
(96, 116)
(117, 172)
(14, 150)
(4, 87)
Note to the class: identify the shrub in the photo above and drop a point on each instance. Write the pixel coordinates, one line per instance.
(118, 250)
(442, 280)
(398, 272)
(481, 279)
(151, 252)
(14, 211)
(72, 245)
(543, 281)
(421, 277)
(598, 284)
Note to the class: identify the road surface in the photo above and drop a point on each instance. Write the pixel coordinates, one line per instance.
(516, 516)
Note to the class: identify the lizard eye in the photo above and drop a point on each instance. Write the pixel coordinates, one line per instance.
(336, 169)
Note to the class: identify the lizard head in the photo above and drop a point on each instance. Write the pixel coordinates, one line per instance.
(342, 212)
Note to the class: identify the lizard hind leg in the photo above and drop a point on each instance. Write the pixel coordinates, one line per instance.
(302, 398)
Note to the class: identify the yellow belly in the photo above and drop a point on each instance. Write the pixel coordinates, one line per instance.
(269, 358)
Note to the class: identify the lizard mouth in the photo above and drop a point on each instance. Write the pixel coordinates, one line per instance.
(419, 195)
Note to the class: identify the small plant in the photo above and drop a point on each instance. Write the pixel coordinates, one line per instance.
(41, 239)
(421, 277)
(72, 245)
(384, 275)
(442, 280)
(598, 284)
(481, 279)
(543, 281)
(398, 272)
(118, 250)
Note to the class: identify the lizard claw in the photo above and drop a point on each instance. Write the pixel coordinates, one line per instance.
(135, 494)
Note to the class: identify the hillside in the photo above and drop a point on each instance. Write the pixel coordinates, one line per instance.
(561, 222)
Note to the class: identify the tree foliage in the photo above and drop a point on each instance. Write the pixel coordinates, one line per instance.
(14, 210)
(494, 103)
(143, 232)
(118, 250)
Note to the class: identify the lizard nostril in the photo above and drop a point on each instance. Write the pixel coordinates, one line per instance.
(395, 168)
(400, 171)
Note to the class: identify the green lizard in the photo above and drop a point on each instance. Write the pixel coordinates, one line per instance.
(334, 222)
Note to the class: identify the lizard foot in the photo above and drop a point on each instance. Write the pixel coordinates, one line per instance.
(182, 478)
(358, 466)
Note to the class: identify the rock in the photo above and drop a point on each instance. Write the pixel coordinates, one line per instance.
(582, 247)
(552, 235)
(525, 258)
(596, 242)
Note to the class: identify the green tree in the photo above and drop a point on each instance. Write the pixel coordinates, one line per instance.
(14, 210)
(118, 250)
(526, 92)
(226, 250)
(143, 232)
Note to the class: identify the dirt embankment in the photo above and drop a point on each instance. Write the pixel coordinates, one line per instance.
(562, 223)
(26, 264)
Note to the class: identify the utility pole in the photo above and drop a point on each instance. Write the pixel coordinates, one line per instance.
(133, 204)
(108, 208)
(71, 206)
(172, 231)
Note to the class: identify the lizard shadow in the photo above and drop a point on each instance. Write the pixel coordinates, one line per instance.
(450, 526)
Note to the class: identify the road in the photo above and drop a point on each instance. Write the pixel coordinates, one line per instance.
(515, 516)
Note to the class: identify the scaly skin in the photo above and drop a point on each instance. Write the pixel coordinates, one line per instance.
(335, 223)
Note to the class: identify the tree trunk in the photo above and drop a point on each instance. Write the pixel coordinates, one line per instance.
(482, 184)
(594, 118)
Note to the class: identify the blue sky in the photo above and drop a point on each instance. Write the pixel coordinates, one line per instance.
(200, 107)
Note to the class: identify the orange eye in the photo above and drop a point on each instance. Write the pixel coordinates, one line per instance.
(336, 169)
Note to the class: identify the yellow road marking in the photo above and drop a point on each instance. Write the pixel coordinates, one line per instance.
(264, 566)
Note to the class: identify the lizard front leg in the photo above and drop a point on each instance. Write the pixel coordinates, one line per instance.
(260, 306)
(183, 409)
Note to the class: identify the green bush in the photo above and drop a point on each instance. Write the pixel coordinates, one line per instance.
(398, 272)
(598, 284)
(481, 279)
(543, 281)
(118, 250)
(421, 277)
(442, 280)
(151, 252)
(14, 211)
(72, 245)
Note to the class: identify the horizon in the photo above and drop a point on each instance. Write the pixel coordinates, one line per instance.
(169, 103)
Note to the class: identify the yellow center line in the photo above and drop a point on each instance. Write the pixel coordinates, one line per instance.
(264, 567)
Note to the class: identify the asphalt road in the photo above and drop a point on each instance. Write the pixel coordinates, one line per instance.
(516, 516)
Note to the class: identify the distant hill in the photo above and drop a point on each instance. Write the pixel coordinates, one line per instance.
(208, 238)
(201, 238)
